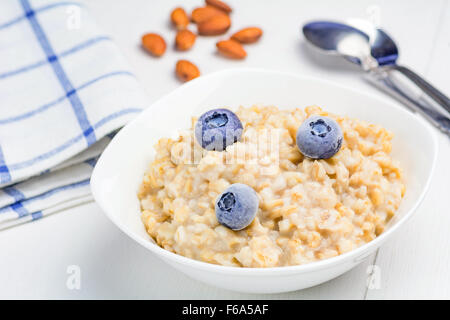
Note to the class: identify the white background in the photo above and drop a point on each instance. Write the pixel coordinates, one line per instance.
(414, 264)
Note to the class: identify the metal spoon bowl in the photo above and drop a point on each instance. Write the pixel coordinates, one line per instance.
(375, 51)
(338, 39)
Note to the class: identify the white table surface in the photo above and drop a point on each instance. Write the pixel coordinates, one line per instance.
(415, 264)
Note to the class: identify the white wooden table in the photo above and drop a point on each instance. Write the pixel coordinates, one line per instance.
(415, 264)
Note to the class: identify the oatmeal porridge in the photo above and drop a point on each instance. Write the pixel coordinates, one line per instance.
(307, 210)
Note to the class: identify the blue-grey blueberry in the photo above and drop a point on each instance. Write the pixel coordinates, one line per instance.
(237, 206)
(218, 128)
(319, 137)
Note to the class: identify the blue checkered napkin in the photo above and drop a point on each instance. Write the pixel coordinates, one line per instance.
(64, 87)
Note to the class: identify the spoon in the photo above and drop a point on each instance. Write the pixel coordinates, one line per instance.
(340, 40)
(385, 51)
(376, 53)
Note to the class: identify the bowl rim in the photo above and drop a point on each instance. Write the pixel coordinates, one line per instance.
(360, 253)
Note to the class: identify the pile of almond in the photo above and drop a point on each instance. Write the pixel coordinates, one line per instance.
(212, 19)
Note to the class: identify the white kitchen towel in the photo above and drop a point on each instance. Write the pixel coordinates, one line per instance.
(64, 87)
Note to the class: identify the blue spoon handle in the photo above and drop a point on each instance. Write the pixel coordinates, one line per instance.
(386, 81)
(427, 88)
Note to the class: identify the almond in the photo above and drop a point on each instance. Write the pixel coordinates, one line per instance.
(247, 35)
(219, 5)
(179, 18)
(204, 13)
(231, 49)
(216, 25)
(154, 44)
(184, 40)
(186, 70)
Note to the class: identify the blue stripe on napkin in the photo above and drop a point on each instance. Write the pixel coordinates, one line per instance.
(71, 93)
(27, 163)
(101, 94)
(62, 98)
(4, 171)
(19, 206)
(68, 52)
(43, 8)
(14, 193)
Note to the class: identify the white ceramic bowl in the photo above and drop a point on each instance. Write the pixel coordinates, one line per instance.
(120, 169)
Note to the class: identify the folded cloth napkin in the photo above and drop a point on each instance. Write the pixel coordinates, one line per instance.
(64, 90)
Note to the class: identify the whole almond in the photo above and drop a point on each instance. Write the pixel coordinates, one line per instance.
(216, 25)
(184, 40)
(179, 18)
(204, 13)
(219, 5)
(231, 49)
(186, 70)
(154, 44)
(248, 35)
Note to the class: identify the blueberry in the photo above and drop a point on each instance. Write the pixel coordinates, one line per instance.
(319, 137)
(217, 129)
(236, 207)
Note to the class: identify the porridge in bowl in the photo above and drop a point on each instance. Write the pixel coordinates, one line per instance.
(271, 195)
